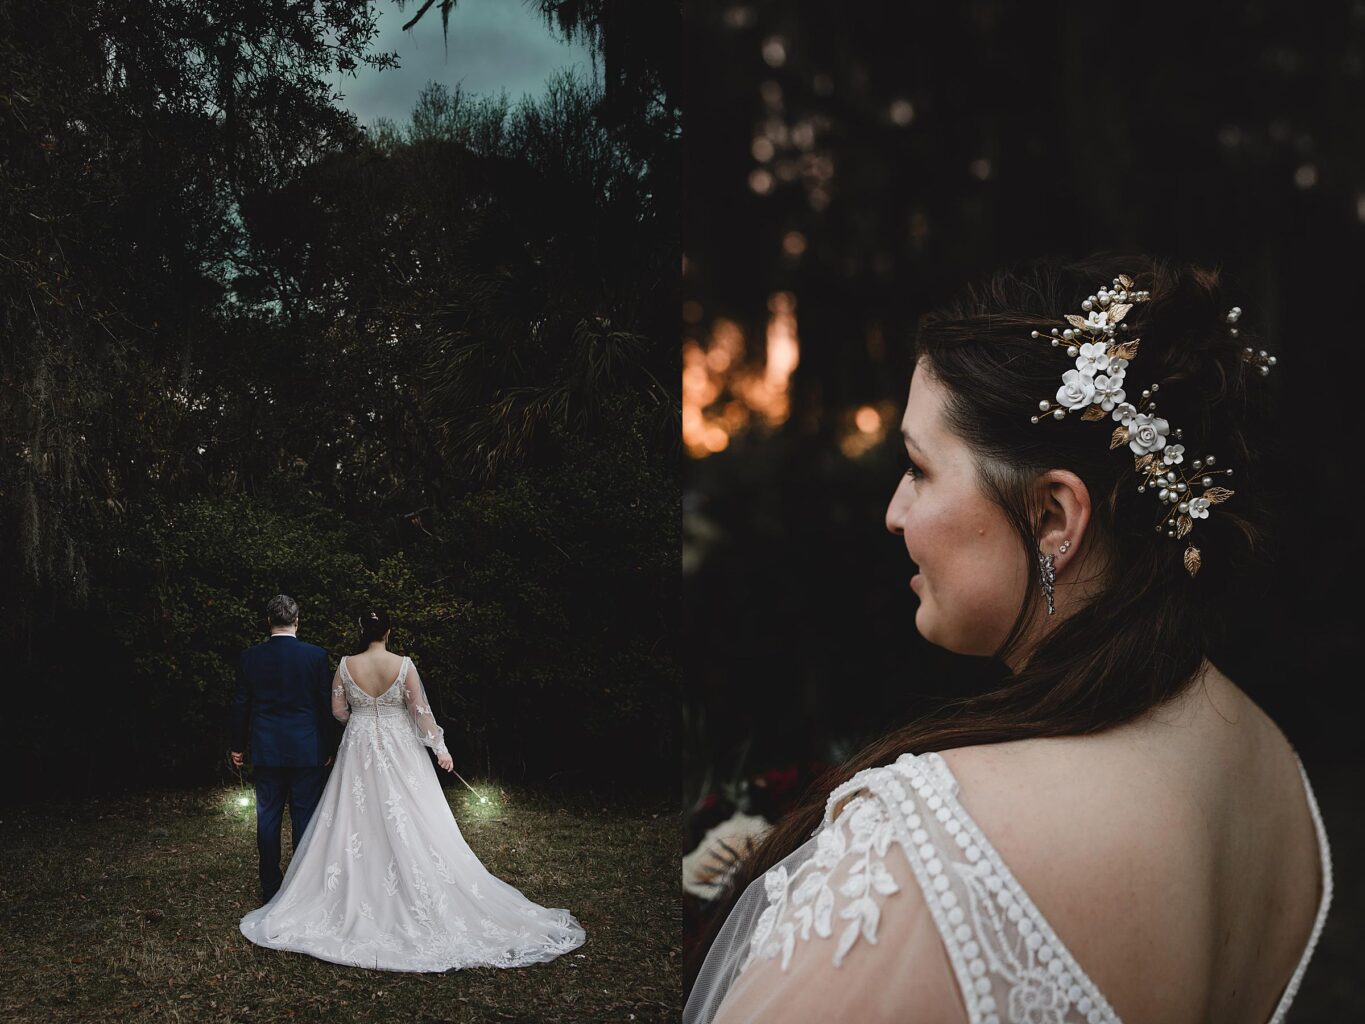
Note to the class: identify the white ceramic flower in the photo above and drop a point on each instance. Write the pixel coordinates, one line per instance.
(1108, 392)
(1125, 413)
(1097, 321)
(1147, 433)
(1093, 359)
(1199, 508)
(1173, 455)
(1117, 364)
(1077, 390)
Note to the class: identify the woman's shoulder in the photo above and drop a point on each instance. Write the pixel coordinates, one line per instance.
(380, 663)
(1140, 844)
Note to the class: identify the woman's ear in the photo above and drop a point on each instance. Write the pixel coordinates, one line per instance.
(1066, 515)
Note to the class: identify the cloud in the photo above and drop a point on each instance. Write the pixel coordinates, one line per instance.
(493, 45)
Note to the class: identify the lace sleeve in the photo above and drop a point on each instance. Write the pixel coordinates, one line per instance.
(918, 902)
(423, 721)
(341, 707)
(845, 935)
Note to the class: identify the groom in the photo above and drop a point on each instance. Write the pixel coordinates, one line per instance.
(283, 708)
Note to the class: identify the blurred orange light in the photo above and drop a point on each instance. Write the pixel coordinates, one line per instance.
(722, 395)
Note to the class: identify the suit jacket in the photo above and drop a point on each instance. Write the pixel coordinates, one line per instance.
(283, 705)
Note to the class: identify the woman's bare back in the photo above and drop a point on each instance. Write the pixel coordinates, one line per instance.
(1175, 856)
(374, 671)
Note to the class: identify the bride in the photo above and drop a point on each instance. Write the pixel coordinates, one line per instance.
(382, 877)
(1119, 831)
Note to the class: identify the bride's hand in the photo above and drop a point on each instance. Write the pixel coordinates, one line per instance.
(445, 762)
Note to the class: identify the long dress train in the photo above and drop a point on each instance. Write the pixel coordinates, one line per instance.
(382, 876)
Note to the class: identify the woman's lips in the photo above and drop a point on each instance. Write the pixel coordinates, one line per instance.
(917, 578)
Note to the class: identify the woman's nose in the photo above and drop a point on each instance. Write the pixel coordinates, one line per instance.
(895, 511)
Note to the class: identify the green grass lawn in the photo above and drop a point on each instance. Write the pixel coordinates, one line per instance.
(126, 910)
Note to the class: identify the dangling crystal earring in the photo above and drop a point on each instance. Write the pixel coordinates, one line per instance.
(1045, 563)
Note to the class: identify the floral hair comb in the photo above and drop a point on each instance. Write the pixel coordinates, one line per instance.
(1102, 349)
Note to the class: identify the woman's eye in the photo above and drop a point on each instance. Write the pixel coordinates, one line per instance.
(913, 471)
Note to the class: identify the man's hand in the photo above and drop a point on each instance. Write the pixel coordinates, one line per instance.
(237, 758)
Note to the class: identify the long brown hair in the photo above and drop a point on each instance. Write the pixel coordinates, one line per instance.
(1142, 639)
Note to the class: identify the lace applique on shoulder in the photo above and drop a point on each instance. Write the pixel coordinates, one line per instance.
(1008, 962)
(849, 859)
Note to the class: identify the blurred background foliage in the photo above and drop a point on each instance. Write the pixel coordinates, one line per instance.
(845, 175)
(248, 346)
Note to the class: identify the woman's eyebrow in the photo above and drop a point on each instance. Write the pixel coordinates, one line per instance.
(911, 441)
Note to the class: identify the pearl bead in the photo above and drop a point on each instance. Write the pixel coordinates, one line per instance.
(1227, 472)
(1184, 506)
(1182, 487)
(1055, 342)
(1033, 334)
(1265, 371)
(1232, 331)
(1207, 481)
(1068, 334)
(1209, 460)
(1059, 414)
(1198, 463)
(1055, 332)
(1044, 405)
(1156, 388)
(1087, 306)
(1164, 495)
(1072, 351)
(1158, 528)
(1141, 488)
(1262, 353)
(1270, 360)
(1033, 419)
(1146, 394)
(1170, 476)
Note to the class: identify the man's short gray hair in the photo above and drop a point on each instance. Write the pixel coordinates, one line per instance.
(282, 610)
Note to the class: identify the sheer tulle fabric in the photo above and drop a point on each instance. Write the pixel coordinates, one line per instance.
(382, 876)
(824, 935)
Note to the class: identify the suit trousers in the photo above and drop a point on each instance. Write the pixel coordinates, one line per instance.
(302, 787)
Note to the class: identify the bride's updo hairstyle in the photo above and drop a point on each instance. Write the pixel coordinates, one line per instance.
(1143, 637)
(373, 623)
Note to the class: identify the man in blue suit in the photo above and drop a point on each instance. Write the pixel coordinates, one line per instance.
(283, 710)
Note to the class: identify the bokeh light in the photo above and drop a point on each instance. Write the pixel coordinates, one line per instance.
(866, 428)
(723, 394)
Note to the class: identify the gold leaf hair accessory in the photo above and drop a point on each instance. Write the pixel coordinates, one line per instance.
(1102, 349)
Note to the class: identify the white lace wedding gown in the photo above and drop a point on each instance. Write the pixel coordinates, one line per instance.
(905, 826)
(382, 877)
